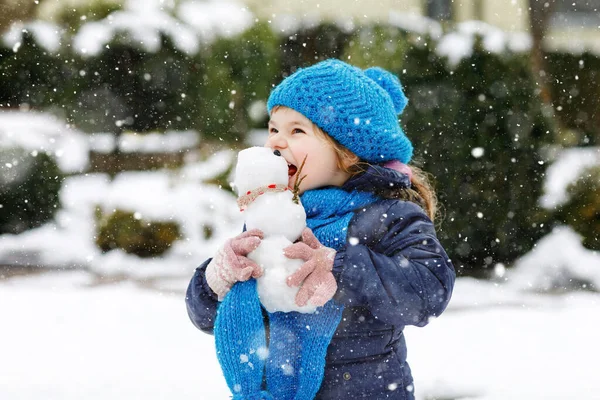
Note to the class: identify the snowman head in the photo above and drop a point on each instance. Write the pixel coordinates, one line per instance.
(258, 166)
(261, 180)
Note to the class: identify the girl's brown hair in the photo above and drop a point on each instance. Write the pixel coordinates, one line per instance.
(421, 191)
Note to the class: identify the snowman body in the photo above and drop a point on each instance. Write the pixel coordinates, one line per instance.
(279, 218)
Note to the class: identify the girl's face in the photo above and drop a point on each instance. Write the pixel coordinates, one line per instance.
(295, 137)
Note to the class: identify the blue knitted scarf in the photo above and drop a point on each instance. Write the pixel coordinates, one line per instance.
(295, 360)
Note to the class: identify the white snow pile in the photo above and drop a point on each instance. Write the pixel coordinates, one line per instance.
(458, 44)
(46, 34)
(565, 169)
(151, 196)
(559, 262)
(186, 24)
(37, 132)
(130, 142)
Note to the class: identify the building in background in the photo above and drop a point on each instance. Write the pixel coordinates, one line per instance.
(573, 26)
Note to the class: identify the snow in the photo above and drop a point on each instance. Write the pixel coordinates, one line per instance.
(46, 34)
(213, 19)
(458, 44)
(558, 262)
(34, 131)
(143, 27)
(566, 168)
(130, 142)
(72, 338)
(187, 24)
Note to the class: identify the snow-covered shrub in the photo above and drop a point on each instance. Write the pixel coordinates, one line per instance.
(29, 186)
(128, 231)
(582, 210)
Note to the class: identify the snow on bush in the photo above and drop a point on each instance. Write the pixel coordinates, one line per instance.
(46, 34)
(143, 26)
(565, 169)
(132, 142)
(213, 19)
(458, 44)
(559, 262)
(186, 25)
(416, 24)
(38, 132)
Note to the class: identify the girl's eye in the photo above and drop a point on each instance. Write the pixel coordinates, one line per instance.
(298, 130)
(272, 131)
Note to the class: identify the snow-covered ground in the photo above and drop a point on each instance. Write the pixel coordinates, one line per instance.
(64, 337)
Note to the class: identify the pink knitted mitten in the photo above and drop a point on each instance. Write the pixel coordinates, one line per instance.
(230, 264)
(318, 283)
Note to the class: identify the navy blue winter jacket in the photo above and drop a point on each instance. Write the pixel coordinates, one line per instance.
(397, 274)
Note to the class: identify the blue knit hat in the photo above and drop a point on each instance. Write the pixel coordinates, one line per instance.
(359, 109)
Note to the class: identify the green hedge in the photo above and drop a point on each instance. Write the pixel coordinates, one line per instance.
(29, 187)
(122, 230)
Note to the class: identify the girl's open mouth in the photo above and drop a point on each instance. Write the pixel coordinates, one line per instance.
(292, 169)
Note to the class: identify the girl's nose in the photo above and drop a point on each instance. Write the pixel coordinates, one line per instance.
(276, 142)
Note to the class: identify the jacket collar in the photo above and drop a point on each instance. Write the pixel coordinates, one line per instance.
(376, 177)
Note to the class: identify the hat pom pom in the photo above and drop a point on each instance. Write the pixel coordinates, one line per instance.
(391, 84)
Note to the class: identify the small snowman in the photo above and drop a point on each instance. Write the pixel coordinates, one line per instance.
(261, 181)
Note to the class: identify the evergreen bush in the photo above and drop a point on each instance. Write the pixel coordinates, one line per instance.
(310, 45)
(582, 210)
(125, 87)
(575, 85)
(237, 72)
(30, 76)
(29, 189)
(121, 229)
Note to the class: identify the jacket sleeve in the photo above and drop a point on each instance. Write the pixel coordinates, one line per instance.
(394, 265)
(201, 301)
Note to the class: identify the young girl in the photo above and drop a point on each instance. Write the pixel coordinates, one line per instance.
(371, 247)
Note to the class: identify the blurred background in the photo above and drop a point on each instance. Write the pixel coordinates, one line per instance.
(119, 125)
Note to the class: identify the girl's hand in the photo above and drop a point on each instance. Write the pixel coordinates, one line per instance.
(231, 265)
(318, 284)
